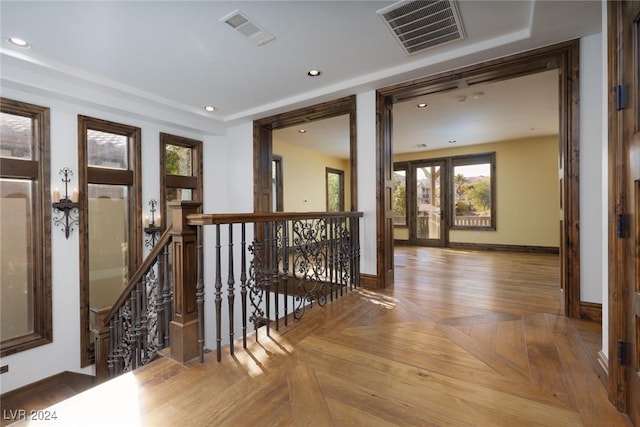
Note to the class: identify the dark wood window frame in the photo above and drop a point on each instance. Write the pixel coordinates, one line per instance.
(340, 173)
(193, 182)
(473, 159)
(37, 170)
(262, 146)
(96, 175)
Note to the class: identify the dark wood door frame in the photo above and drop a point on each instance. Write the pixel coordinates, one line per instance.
(624, 127)
(562, 56)
(262, 146)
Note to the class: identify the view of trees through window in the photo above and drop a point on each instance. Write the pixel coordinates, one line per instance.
(431, 195)
(178, 160)
(399, 202)
(472, 195)
(335, 190)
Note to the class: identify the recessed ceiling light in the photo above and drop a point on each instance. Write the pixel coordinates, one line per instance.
(314, 73)
(210, 108)
(422, 105)
(17, 42)
(302, 130)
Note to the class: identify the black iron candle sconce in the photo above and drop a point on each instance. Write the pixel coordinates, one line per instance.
(152, 227)
(66, 207)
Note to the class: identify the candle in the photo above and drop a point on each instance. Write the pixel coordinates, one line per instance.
(56, 195)
(158, 221)
(146, 221)
(76, 196)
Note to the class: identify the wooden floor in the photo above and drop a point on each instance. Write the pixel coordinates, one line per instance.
(465, 339)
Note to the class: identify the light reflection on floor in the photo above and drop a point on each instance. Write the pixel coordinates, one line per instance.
(114, 403)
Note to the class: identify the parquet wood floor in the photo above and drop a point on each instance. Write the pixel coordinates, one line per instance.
(464, 339)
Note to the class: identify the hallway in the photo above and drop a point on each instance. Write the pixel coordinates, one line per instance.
(465, 338)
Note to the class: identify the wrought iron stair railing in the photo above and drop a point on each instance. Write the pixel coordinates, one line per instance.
(269, 267)
(130, 333)
(276, 264)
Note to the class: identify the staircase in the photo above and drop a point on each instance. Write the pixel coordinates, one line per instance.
(267, 268)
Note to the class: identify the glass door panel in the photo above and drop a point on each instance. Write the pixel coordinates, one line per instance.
(428, 219)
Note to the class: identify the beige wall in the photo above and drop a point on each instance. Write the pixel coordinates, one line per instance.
(527, 191)
(304, 177)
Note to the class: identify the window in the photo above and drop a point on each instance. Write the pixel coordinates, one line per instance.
(180, 171)
(25, 227)
(110, 217)
(473, 192)
(335, 190)
(399, 199)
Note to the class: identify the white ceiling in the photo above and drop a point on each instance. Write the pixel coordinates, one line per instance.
(501, 111)
(168, 59)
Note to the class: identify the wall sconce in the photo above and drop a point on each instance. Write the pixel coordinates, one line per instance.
(66, 207)
(152, 228)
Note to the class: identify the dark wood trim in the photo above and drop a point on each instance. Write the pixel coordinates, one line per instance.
(262, 158)
(41, 207)
(563, 56)
(384, 191)
(72, 380)
(262, 146)
(133, 179)
(97, 175)
(369, 281)
(505, 248)
(176, 181)
(18, 168)
(616, 189)
(591, 311)
(240, 217)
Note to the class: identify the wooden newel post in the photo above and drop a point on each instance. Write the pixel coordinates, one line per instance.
(184, 326)
(101, 340)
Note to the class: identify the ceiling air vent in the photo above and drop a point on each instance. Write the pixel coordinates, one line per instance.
(420, 25)
(247, 27)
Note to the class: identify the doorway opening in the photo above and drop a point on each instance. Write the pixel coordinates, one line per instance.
(266, 180)
(564, 59)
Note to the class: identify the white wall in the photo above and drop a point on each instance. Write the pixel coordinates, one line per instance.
(604, 184)
(592, 247)
(63, 354)
(366, 125)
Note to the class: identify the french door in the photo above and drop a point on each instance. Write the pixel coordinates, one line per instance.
(419, 203)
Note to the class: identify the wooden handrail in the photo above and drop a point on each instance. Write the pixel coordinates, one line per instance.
(135, 278)
(236, 218)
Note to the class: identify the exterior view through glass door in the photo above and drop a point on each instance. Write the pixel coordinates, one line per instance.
(418, 203)
(428, 218)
